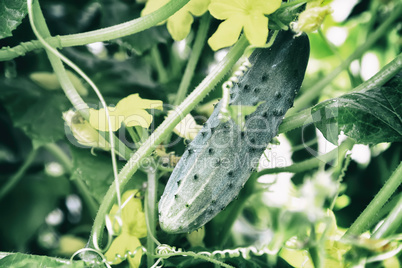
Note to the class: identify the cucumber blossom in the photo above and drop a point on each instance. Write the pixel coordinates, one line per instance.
(218, 162)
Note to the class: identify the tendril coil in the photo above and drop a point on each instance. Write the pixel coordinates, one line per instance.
(119, 258)
(241, 251)
(165, 251)
(228, 85)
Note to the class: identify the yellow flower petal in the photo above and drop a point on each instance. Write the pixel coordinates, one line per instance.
(129, 110)
(121, 245)
(179, 25)
(227, 34)
(198, 7)
(225, 9)
(132, 215)
(97, 119)
(138, 118)
(247, 14)
(126, 104)
(187, 128)
(256, 30)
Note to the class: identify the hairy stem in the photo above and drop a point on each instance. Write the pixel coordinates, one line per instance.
(105, 34)
(151, 214)
(314, 162)
(165, 128)
(193, 60)
(65, 82)
(364, 220)
(391, 223)
(295, 121)
(157, 61)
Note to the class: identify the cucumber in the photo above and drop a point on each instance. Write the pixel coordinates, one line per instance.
(218, 162)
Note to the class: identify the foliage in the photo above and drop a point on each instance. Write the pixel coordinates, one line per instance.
(331, 200)
(11, 13)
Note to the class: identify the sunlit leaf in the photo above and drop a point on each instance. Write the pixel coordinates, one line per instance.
(25, 260)
(11, 14)
(369, 117)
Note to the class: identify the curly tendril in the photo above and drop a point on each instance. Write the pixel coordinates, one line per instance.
(228, 85)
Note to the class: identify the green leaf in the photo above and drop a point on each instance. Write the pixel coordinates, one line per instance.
(27, 206)
(34, 110)
(239, 112)
(11, 14)
(19, 260)
(96, 171)
(369, 117)
(115, 12)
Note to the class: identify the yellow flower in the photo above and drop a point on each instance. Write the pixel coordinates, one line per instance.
(179, 24)
(84, 133)
(130, 111)
(248, 15)
(120, 246)
(311, 18)
(187, 128)
(134, 227)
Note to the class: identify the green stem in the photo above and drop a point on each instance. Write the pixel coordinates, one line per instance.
(65, 161)
(386, 209)
(195, 256)
(151, 214)
(315, 250)
(383, 76)
(165, 128)
(391, 223)
(66, 84)
(316, 90)
(313, 162)
(295, 121)
(364, 220)
(134, 136)
(61, 156)
(157, 60)
(193, 60)
(335, 51)
(105, 34)
(18, 175)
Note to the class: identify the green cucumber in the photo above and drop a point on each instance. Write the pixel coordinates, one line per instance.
(218, 162)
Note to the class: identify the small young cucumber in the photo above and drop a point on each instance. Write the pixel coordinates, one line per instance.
(218, 162)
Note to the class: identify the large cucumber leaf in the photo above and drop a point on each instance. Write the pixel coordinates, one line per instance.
(11, 14)
(34, 110)
(25, 260)
(368, 117)
(97, 173)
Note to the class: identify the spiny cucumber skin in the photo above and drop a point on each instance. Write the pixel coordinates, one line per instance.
(218, 162)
